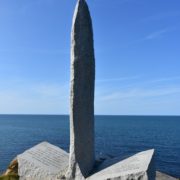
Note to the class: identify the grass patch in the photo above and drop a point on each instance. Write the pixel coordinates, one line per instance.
(9, 177)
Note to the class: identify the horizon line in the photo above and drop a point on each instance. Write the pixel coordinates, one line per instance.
(34, 114)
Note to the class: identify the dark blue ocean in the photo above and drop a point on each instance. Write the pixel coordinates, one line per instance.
(115, 136)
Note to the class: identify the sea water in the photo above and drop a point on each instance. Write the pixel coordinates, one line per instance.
(114, 135)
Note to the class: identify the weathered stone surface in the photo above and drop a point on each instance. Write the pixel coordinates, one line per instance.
(162, 176)
(137, 167)
(82, 94)
(42, 162)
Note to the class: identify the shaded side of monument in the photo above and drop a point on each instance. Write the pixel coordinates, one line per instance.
(82, 156)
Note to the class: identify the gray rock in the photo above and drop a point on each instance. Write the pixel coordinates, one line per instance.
(162, 176)
(137, 167)
(42, 162)
(82, 156)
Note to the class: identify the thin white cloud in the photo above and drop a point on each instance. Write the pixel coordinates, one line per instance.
(161, 81)
(117, 79)
(35, 98)
(150, 36)
(164, 86)
(50, 90)
(165, 79)
(151, 100)
(33, 50)
(115, 1)
(139, 93)
(53, 98)
(156, 34)
(160, 16)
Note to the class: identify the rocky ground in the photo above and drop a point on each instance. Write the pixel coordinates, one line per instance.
(162, 176)
(12, 173)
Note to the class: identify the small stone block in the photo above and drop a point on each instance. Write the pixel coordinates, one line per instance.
(42, 162)
(137, 167)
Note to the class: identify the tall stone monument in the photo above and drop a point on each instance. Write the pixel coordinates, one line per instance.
(48, 162)
(82, 93)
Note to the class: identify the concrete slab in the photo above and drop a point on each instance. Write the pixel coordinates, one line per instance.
(137, 167)
(42, 162)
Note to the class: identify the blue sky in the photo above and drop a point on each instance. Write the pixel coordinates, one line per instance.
(137, 48)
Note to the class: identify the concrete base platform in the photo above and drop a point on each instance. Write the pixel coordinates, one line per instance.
(48, 162)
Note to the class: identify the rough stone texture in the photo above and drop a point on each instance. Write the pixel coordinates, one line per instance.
(162, 176)
(43, 162)
(137, 167)
(82, 156)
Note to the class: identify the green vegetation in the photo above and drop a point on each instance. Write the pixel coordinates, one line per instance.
(12, 171)
(9, 177)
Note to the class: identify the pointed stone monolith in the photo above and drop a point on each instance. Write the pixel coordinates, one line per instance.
(82, 94)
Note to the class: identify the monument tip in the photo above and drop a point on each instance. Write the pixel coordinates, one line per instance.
(81, 3)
